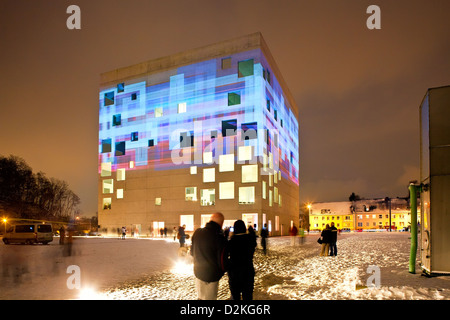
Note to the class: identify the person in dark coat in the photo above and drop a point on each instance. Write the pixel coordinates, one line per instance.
(182, 235)
(333, 240)
(326, 239)
(241, 273)
(264, 236)
(209, 250)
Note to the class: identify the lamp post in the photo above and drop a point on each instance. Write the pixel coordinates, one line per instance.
(4, 221)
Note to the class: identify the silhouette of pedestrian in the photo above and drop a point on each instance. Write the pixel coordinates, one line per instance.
(264, 236)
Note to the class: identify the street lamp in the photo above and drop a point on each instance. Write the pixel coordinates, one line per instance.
(4, 221)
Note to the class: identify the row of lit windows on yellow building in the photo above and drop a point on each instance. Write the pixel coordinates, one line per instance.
(363, 221)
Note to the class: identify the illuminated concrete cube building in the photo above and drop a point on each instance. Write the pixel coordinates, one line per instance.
(210, 129)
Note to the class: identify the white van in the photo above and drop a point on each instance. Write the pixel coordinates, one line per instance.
(29, 233)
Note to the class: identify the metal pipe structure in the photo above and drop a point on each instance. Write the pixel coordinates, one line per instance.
(413, 198)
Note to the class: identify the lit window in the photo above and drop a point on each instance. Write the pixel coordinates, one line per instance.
(106, 169)
(207, 157)
(207, 197)
(270, 198)
(277, 223)
(246, 195)
(226, 162)
(109, 98)
(119, 193)
(157, 201)
(234, 98)
(106, 203)
(108, 186)
(191, 194)
(229, 127)
(120, 148)
(188, 220)
(275, 177)
(279, 175)
(226, 190)
(270, 180)
(250, 173)
(158, 112)
(131, 164)
(279, 200)
(264, 190)
(120, 174)
(245, 153)
(182, 107)
(275, 194)
(245, 68)
(226, 63)
(209, 175)
(193, 170)
(106, 145)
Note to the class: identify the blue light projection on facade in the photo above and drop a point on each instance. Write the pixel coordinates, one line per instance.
(167, 120)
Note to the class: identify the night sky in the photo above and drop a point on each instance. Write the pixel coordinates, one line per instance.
(358, 90)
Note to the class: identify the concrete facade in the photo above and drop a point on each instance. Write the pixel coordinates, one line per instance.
(211, 129)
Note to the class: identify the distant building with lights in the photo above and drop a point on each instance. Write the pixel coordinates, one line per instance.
(210, 129)
(370, 214)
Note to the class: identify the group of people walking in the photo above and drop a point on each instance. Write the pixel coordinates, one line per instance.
(214, 254)
(328, 240)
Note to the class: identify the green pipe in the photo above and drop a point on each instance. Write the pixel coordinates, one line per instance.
(412, 255)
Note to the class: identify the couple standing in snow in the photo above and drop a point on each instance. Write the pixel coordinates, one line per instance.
(329, 239)
(214, 255)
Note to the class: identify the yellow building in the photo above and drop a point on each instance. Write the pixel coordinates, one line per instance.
(373, 214)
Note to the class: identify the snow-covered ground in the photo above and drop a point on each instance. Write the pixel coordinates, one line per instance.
(151, 269)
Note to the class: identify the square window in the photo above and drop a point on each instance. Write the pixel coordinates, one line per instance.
(133, 96)
(250, 173)
(245, 68)
(117, 120)
(119, 193)
(108, 186)
(246, 195)
(120, 87)
(158, 112)
(134, 136)
(245, 153)
(120, 148)
(151, 142)
(226, 190)
(226, 63)
(209, 175)
(120, 174)
(229, 127)
(182, 107)
(207, 157)
(106, 145)
(106, 203)
(186, 140)
(157, 201)
(193, 170)
(226, 162)
(106, 169)
(190, 194)
(207, 197)
(249, 130)
(188, 220)
(109, 98)
(234, 98)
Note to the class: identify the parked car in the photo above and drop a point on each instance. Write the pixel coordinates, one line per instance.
(29, 233)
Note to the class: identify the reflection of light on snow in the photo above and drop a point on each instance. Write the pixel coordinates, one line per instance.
(182, 268)
(90, 294)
